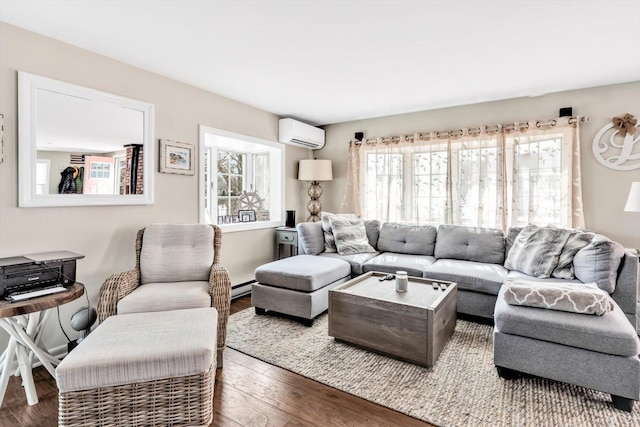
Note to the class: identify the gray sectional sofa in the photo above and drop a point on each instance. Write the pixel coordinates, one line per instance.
(598, 352)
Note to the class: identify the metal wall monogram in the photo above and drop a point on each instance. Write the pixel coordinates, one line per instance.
(611, 152)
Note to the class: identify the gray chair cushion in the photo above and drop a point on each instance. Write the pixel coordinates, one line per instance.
(166, 296)
(536, 250)
(141, 347)
(407, 239)
(389, 262)
(518, 275)
(176, 253)
(303, 272)
(310, 238)
(470, 244)
(470, 275)
(373, 231)
(356, 260)
(598, 262)
(610, 334)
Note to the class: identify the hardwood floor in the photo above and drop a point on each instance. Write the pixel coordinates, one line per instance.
(248, 392)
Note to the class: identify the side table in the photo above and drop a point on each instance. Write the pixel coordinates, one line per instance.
(24, 321)
(287, 236)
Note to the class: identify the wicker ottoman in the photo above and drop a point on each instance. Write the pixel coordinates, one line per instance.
(298, 286)
(142, 369)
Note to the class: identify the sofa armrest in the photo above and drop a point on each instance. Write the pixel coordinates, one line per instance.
(626, 292)
(220, 292)
(116, 287)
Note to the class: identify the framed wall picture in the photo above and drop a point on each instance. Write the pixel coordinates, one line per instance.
(177, 157)
(247, 215)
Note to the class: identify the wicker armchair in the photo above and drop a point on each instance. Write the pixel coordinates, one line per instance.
(120, 285)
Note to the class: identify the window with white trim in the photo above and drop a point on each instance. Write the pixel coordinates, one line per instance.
(242, 180)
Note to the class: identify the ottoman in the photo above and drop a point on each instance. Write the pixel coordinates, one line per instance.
(142, 369)
(298, 286)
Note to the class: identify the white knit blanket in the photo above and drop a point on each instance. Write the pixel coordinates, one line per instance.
(584, 298)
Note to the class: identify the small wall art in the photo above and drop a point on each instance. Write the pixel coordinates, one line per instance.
(177, 157)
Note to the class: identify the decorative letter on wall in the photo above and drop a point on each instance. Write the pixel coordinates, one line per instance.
(614, 155)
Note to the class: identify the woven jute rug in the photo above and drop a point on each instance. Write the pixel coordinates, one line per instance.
(461, 389)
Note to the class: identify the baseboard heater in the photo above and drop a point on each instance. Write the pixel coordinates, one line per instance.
(241, 289)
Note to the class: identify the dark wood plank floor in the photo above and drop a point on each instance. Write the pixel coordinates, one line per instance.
(248, 392)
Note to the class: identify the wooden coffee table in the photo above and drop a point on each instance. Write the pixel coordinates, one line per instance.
(412, 326)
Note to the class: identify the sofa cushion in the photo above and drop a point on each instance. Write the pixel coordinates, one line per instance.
(373, 231)
(389, 262)
(176, 252)
(310, 238)
(598, 262)
(356, 260)
(407, 239)
(470, 244)
(305, 273)
(536, 250)
(166, 296)
(350, 236)
(610, 334)
(518, 275)
(576, 241)
(583, 298)
(470, 275)
(325, 219)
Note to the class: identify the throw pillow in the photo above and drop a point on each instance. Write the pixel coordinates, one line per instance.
(325, 218)
(584, 298)
(350, 236)
(536, 250)
(598, 262)
(577, 240)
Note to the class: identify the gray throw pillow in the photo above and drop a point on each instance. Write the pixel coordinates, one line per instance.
(577, 240)
(350, 236)
(536, 250)
(310, 238)
(598, 262)
(325, 218)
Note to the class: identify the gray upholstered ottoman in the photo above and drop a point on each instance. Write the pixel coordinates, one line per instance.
(298, 286)
(143, 369)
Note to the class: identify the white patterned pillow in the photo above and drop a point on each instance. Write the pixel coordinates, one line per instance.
(584, 298)
(350, 236)
(536, 250)
(329, 241)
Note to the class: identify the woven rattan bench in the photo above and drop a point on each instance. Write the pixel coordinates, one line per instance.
(142, 369)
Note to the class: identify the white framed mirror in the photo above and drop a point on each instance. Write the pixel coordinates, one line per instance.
(82, 147)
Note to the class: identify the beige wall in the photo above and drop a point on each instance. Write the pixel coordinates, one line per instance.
(106, 235)
(605, 190)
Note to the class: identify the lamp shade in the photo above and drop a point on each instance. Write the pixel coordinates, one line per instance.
(315, 170)
(633, 201)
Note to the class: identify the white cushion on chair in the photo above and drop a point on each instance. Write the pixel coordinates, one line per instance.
(166, 297)
(176, 252)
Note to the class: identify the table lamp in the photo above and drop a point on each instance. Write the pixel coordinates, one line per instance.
(633, 201)
(314, 170)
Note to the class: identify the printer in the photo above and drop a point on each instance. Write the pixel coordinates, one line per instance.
(25, 273)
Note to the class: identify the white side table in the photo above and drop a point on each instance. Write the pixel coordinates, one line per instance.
(24, 321)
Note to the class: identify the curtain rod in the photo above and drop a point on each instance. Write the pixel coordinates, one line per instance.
(456, 133)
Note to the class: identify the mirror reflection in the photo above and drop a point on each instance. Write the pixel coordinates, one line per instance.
(86, 147)
(80, 146)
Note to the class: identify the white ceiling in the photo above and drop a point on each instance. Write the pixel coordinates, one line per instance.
(333, 61)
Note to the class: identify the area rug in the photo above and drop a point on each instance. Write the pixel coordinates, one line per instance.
(461, 389)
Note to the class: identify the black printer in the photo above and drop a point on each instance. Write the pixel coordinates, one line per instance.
(20, 274)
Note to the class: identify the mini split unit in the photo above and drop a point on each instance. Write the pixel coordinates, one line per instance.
(300, 134)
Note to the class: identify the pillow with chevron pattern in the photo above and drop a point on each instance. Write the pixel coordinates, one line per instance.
(350, 235)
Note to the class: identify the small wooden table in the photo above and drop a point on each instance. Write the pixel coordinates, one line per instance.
(412, 326)
(24, 321)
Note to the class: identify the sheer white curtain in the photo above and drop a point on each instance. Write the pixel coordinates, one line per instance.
(496, 176)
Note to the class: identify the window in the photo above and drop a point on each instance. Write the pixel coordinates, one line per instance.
(42, 176)
(100, 170)
(498, 179)
(242, 180)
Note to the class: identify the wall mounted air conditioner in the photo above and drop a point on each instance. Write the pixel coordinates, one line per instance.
(300, 134)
